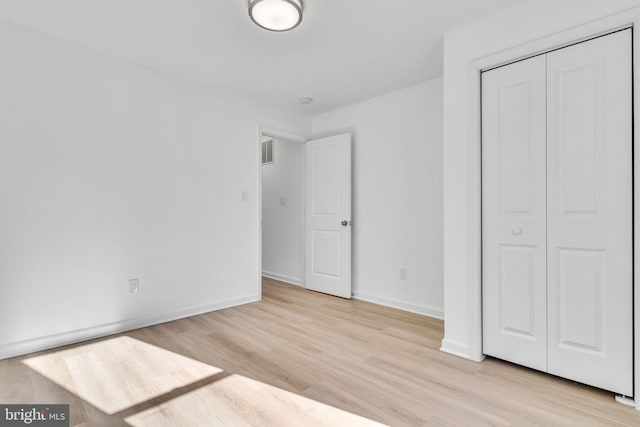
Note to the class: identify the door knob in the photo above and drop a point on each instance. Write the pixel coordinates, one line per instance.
(344, 223)
(516, 231)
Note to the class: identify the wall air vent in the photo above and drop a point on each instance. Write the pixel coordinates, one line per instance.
(267, 152)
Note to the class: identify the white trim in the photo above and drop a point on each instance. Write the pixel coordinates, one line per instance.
(542, 46)
(625, 400)
(629, 17)
(282, 278)
(19, 348)
(282, 134)
(458, 349)
(388, 302)
(259, 198)
(636, 207)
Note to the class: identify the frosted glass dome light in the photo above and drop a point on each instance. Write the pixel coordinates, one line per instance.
(276, 15)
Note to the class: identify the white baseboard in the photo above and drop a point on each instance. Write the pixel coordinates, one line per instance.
(282, 278)
(413, 308)
(456, 349)
(628, 401)
(19, 348)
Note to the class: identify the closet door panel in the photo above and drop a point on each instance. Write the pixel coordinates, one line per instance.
(589, 236)
(514, 210)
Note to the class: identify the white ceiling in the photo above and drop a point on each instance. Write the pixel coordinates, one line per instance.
(344, 51)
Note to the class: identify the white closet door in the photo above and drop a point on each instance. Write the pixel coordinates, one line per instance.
(514, 213)
(589, 212)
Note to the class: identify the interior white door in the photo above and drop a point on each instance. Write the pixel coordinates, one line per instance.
(590, 302)
(514, 213)
(328, 215)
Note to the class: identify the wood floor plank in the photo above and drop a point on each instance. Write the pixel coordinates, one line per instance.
(297, 358)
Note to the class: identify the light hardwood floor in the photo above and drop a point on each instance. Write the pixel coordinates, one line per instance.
(297, 358)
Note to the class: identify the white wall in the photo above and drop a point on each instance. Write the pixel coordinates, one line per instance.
(397, 195)
(283, 213)
(109, 171)
(528, 27)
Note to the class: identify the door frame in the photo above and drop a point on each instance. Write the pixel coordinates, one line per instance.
(629, 18)
(290, 137)
(628, 33)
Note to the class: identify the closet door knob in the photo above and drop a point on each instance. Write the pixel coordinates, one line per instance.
(516, 231)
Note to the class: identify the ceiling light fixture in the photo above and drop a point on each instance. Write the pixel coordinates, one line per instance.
(276, 15)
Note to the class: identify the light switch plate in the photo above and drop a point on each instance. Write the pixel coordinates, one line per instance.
(134, 286)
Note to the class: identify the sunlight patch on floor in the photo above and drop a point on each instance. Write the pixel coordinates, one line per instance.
(240, 401)
(151, 386)
(118, 373)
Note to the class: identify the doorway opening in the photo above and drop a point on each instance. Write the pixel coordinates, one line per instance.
(305, 211)
(281, 206)
(557, 216)
(282, 171)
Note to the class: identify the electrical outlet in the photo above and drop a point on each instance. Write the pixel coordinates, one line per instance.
(403, 273)
(134, 286)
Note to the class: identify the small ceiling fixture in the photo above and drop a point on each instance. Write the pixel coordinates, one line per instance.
(305, 100)
(276, 15)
